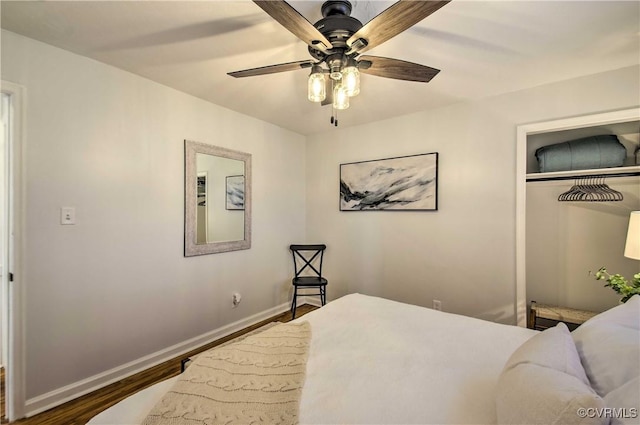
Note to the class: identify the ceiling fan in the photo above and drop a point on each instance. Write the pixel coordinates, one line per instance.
(336, 43)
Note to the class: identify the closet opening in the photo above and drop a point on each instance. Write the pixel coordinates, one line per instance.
(572, 222)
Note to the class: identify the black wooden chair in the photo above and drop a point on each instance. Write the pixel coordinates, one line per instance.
(308, 259)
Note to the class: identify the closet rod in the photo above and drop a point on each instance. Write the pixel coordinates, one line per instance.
(545, 179)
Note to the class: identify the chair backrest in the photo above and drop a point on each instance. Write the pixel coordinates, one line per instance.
(310, 255)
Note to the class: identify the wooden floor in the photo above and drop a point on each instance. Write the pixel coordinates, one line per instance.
(81, 410)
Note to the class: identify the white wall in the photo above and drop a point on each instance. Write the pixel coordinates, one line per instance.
(463, 254)
(115, 287)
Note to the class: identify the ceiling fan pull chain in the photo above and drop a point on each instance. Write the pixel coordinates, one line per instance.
(334, 116)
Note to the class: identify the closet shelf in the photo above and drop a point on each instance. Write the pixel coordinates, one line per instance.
(569, 175)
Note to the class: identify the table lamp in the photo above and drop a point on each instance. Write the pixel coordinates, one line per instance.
(632, 247)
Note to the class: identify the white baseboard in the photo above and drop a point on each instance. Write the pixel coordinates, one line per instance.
(72, 391)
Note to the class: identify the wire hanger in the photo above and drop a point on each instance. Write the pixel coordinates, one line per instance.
(590, 189)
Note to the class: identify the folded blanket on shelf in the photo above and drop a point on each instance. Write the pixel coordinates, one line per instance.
(589, 152)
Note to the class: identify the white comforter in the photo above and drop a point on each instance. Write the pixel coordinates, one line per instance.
(375, 361)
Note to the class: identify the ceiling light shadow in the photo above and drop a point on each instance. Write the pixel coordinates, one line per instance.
(461, 40)
(188, 33)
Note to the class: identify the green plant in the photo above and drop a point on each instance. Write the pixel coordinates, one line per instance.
(619, 284)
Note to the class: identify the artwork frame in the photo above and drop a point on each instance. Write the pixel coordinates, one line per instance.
(235, 190)
(402, 183)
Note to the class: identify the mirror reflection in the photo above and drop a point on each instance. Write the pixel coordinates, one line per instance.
(220, 188)
(217, 199)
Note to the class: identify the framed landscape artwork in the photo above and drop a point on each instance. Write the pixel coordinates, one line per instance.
(401, 183)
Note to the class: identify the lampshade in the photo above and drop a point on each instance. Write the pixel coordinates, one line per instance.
(316, 88)
(340, 97)
(632, 248)
(351, 78)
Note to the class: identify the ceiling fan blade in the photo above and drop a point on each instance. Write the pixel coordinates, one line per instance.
(292, 20)
(272, 69)
(401, 16)
(397, 69)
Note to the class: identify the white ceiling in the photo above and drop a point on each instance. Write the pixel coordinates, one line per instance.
(482, 48)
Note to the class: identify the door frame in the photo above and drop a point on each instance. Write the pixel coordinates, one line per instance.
(13, 309)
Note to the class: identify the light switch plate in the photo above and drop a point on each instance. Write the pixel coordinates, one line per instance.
(67, 215)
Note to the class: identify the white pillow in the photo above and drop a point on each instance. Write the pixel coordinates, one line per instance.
(609, 346)
(543, 382)
(625, 401)
(552, 348)
(532, 394)
(627, 314)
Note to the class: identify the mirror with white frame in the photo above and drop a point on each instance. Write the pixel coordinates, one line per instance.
(217, 199)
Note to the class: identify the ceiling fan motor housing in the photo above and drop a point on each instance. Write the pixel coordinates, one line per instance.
(336, 7)
(337, 26)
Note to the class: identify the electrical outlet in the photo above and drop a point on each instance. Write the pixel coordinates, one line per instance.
(67, 215)
(437, 305)
(235, 299)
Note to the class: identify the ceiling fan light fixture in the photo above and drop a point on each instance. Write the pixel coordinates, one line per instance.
(340, 97)
(316, 87)
(335, 41)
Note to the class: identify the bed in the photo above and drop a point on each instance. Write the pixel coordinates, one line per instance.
(376, 361)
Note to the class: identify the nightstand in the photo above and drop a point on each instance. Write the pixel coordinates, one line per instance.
(542, 316)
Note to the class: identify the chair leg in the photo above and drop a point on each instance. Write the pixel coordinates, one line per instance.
(323, 295)
(294, 302)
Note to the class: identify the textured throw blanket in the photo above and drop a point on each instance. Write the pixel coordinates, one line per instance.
(255, 381)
